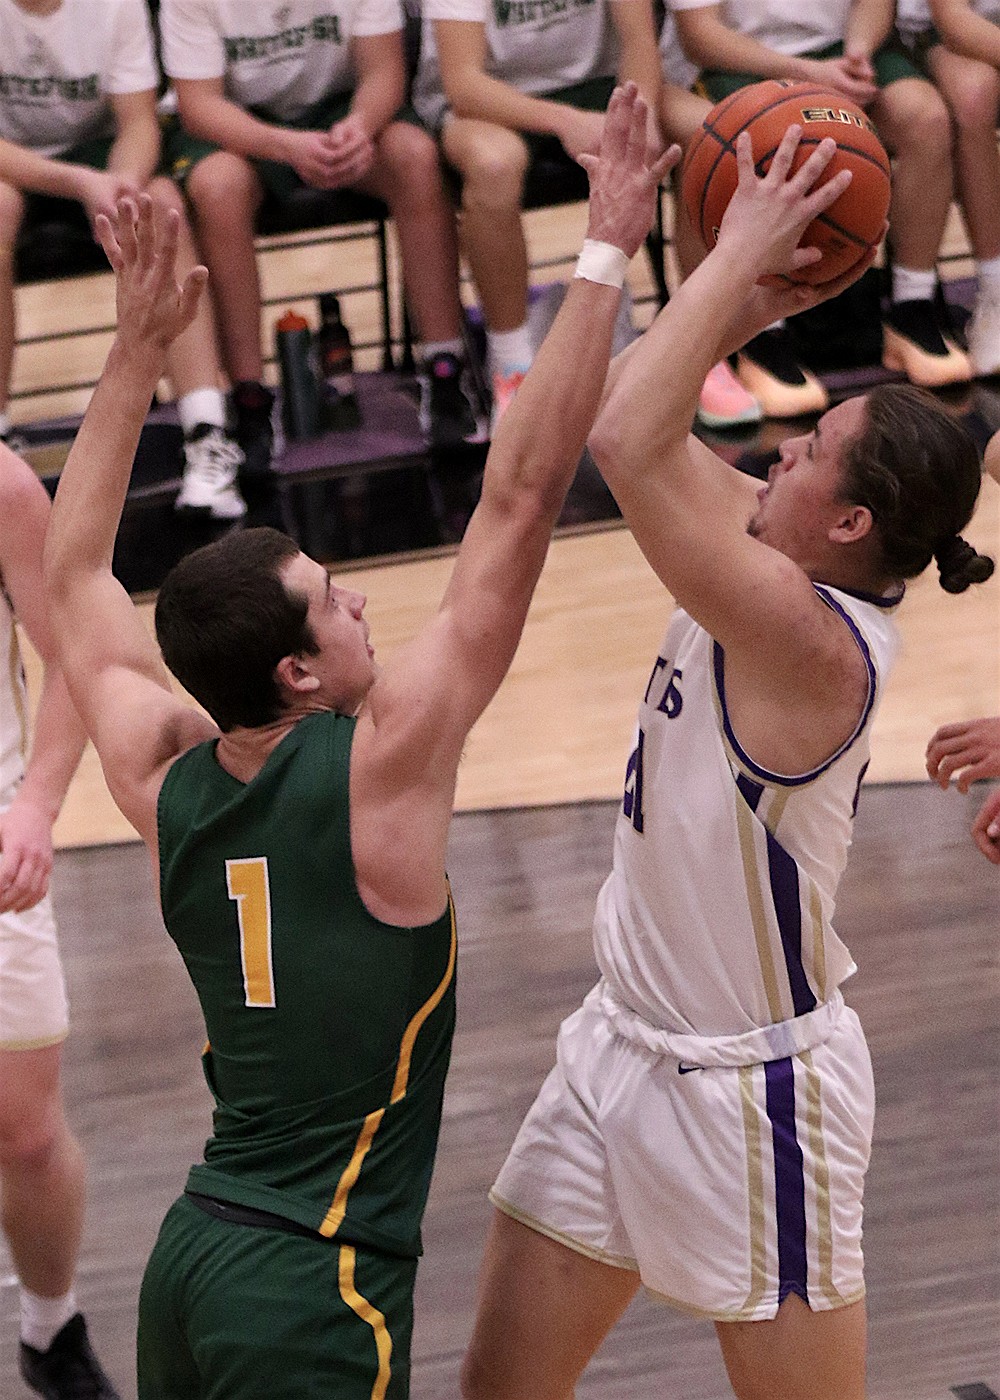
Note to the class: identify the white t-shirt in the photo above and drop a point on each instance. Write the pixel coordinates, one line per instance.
(674, 62)
(786, 26)
(279, 60)
(537, 46)
(914, 15)
(58, 71)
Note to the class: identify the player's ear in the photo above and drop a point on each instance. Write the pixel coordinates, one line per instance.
(294, 675)
(852, 524)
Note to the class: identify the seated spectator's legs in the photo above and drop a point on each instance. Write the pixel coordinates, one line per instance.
(492, 162)
(225, 192)
(913, 122)
(972, 92)
(11, 214)
(406, 175)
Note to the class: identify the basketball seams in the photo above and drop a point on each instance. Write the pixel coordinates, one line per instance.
(705, 161)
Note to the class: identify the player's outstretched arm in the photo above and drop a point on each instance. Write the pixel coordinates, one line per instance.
(411, 732)
(57, 738)
(113, 668)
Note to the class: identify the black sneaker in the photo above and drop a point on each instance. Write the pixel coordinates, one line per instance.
(69, 1370)
(447, 415)
(769, 369)
(252, 406)
(917, 342)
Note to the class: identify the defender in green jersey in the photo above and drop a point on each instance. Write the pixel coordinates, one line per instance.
(299, 835)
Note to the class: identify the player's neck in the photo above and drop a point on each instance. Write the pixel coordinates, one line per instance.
(243, 752)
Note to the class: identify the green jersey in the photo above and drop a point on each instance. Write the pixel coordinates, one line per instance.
(329, 1032)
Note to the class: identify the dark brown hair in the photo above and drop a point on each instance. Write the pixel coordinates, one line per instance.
(224, 620)
(918, 472)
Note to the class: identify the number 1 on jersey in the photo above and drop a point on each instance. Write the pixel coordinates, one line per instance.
(247, 883)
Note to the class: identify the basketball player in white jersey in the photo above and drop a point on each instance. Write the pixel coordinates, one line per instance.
(41, 1167)
(707, 1126)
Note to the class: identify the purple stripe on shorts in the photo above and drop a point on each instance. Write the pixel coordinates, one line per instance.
(789, 1180)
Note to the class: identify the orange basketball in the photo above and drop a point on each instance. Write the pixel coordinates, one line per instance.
(852, 223)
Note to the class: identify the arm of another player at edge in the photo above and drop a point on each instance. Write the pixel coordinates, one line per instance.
(115, 674)
(687, 510)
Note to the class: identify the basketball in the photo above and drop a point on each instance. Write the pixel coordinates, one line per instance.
(850, 226)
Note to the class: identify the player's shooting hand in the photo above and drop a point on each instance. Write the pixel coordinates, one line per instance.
(25, 857)
(153, 309)
(623, 178)
(967, 751)
(768, 214)
(986, 828)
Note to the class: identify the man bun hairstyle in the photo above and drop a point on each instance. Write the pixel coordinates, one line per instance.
(918, 471)
(959, 565)
(224, 620)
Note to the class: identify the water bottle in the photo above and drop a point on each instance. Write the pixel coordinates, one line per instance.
(299, 391)
(338, 400)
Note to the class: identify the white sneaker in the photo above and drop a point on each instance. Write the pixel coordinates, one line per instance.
(211, 463)
(983, 334)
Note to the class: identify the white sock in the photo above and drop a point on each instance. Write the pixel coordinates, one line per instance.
(776, 325)
(988, 273)
(201, 406)
(5, 423)
(428, 349)
(42, 1318)
(510, 351)
(908, 284)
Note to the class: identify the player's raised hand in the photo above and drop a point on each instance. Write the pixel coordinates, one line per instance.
(768, 214)
(623, 179)
(141, 245)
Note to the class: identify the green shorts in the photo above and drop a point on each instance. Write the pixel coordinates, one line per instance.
(891, 62)
(47, 208)
(590, 96)
(238, 1312)
(278, 179)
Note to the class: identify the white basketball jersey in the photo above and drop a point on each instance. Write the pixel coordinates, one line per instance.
(716, 917)
(13, 700)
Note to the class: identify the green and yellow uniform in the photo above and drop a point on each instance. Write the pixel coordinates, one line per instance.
(287, 1268)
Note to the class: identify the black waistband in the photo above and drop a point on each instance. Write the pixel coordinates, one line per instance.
(247, 1215)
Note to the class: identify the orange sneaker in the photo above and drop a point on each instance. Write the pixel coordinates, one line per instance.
(504, 386)
(724, 402)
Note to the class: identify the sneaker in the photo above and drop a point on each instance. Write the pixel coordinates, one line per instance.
(211, 464)
(252, 406)
(504, 386)
(915, 343)
(768, 368)
(983, 333)
(447, 415)
(69, 1370)
(724, 402)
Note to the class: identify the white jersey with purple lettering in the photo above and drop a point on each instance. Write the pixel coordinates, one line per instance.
(716, 919)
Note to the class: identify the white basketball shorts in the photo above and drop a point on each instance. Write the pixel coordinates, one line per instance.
(33, 1009)
(726, 1188)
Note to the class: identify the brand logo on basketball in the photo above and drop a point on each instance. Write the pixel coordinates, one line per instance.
(837, 114)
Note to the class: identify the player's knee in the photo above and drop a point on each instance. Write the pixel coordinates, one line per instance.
(974, 109)
(495, 182)
(922, 125)
(27, 1139)
(223, 188)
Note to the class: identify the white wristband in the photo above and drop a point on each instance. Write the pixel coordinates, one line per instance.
(602, 262)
